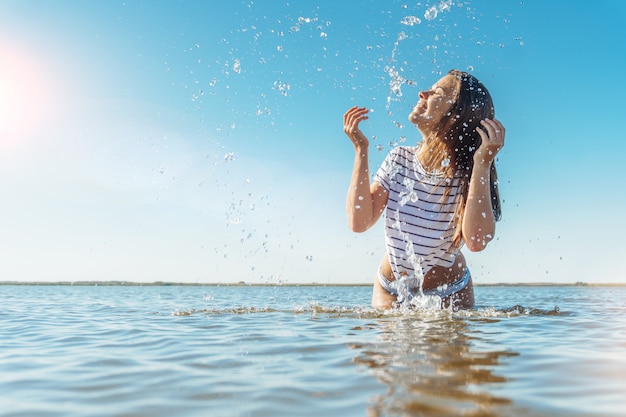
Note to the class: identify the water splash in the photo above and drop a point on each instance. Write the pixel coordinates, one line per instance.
(409, 193)
(411, 20)
(282, 87)
(419, 308)
(432, 12)
(237, 66)
(396, 80)
(409, 288)
(302, 21)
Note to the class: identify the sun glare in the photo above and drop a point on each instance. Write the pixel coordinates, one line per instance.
(24, 93)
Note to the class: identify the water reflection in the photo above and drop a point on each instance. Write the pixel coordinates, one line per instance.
(434, 365)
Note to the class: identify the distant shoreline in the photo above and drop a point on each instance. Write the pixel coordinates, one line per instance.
(287, 284)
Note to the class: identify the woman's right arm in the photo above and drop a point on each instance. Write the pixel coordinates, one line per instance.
(365, 201)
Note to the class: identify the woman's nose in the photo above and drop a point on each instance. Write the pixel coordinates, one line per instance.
(423, 95)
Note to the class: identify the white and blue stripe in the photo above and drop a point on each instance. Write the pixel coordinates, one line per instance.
(418, 222)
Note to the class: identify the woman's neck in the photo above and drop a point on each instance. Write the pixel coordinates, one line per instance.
(432, 155)
(425, 151)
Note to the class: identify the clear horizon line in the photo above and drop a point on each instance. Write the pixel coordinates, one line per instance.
(288, 284)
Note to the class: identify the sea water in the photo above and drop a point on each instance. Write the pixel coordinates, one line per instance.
(308, 351)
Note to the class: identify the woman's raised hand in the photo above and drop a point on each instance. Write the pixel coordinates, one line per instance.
(351, 121)
(492, 135)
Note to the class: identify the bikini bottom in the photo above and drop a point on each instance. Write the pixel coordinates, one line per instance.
(442, 291)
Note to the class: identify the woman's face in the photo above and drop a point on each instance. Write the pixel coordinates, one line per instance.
(434, 104)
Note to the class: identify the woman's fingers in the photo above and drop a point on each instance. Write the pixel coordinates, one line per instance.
(492, 135)
(355, 114)
(352, 118)
(493, 131)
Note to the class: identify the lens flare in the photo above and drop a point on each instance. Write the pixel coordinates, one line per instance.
(24, 92)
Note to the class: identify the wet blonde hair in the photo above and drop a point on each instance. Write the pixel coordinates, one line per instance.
(455, 139)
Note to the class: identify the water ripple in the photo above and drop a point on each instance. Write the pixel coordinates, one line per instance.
(67, 351)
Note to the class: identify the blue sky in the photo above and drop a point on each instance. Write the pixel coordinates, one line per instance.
(195, 142)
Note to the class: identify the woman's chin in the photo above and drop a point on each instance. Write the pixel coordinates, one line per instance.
(420, 121)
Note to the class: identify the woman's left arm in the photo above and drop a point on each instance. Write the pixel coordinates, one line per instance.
(479, 222)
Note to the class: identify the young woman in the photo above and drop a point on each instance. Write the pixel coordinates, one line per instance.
(437, 196)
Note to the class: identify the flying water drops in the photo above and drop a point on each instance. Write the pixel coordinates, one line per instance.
(237, 66)
(409, 194)
(433, 11)
(411, 20)
(282, 87)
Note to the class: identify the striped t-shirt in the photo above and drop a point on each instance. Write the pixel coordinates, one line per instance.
(418, 223)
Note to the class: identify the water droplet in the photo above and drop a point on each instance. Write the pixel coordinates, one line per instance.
(237, 66)
(411, 20)
(431, 13)
(282, 87)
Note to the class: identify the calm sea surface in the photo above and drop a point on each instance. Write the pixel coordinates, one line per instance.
(308, 351)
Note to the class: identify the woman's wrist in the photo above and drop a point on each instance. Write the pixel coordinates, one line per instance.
(483, 160)
(361, 150)
(482, 170)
